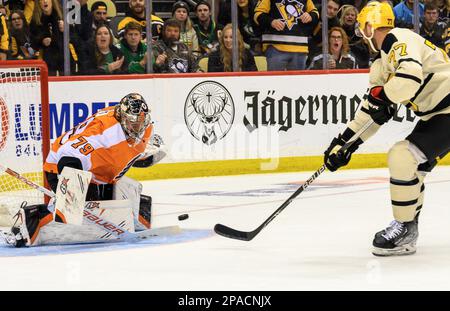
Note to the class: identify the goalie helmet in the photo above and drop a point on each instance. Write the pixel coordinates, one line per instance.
(133, 114)
(378, 14)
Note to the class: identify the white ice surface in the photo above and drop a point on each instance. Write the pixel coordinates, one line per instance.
(322, 241)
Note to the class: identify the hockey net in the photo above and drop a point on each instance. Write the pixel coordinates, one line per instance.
(24, 132)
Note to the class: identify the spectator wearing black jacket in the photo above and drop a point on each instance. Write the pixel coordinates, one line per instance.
(357, 46)
(221, 60)
(339, 56)
(46, 29)
(251, 32)
(431, 28)
(315, 42)
(20, 39)
(84, 29)
(101, 57)
(206, 28)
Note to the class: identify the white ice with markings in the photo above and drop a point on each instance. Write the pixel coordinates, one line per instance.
(322, 241)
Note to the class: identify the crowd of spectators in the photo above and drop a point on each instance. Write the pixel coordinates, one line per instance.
(288, 33)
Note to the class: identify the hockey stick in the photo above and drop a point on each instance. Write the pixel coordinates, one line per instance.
(249, 235)
(107, 226)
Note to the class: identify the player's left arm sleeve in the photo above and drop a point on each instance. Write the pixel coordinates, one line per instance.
(262, 17)
(406, 59)
(312, 10)
(361, 118)
(376, 78)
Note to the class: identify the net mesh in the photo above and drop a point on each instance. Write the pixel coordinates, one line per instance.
(21, 146)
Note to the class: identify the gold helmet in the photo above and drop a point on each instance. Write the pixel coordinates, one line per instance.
(378, 14)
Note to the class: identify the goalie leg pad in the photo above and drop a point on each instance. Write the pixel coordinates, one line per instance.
(100, 222)
(128, 188)
(405, 182)
(145, 211)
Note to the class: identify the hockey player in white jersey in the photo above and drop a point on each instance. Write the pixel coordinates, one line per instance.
(410, 71)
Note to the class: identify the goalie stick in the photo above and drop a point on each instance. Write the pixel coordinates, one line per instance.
(107, 226)
(249, 235)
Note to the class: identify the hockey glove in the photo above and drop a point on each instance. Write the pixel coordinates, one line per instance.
(380, 107)
(154, 152)
(334, 159)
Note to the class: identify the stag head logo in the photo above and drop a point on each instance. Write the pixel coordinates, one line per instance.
(209, 112)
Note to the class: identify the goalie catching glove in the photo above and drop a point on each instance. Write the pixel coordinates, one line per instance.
(154, 152)
(334, 158)
(380, 107)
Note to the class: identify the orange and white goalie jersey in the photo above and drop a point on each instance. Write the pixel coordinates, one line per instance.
(101, 145)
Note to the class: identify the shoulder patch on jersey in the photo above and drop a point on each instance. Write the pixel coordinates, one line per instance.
(388, 42)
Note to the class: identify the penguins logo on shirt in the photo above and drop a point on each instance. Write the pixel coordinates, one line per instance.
(179, 65)
(290, 10)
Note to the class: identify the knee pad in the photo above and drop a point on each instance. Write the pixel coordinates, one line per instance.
(127, 188)
(402, 162)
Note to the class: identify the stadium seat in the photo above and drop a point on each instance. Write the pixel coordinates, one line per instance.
(203, 64)
(261, 63)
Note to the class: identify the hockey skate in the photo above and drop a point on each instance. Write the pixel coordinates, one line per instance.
(398, 239)
(27, 223)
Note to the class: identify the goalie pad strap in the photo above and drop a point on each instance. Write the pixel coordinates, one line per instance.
(59, 217)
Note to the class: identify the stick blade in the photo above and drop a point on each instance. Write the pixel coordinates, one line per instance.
(233, 233)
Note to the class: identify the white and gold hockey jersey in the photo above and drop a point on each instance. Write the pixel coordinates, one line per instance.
(414, 72)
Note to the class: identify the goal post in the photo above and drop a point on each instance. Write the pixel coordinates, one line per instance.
(24, 131)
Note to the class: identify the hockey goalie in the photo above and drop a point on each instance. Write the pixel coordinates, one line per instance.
(93, 201)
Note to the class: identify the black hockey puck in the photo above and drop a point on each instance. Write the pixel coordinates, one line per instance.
(183, 217)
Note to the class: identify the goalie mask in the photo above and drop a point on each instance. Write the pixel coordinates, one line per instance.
(133, 114)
